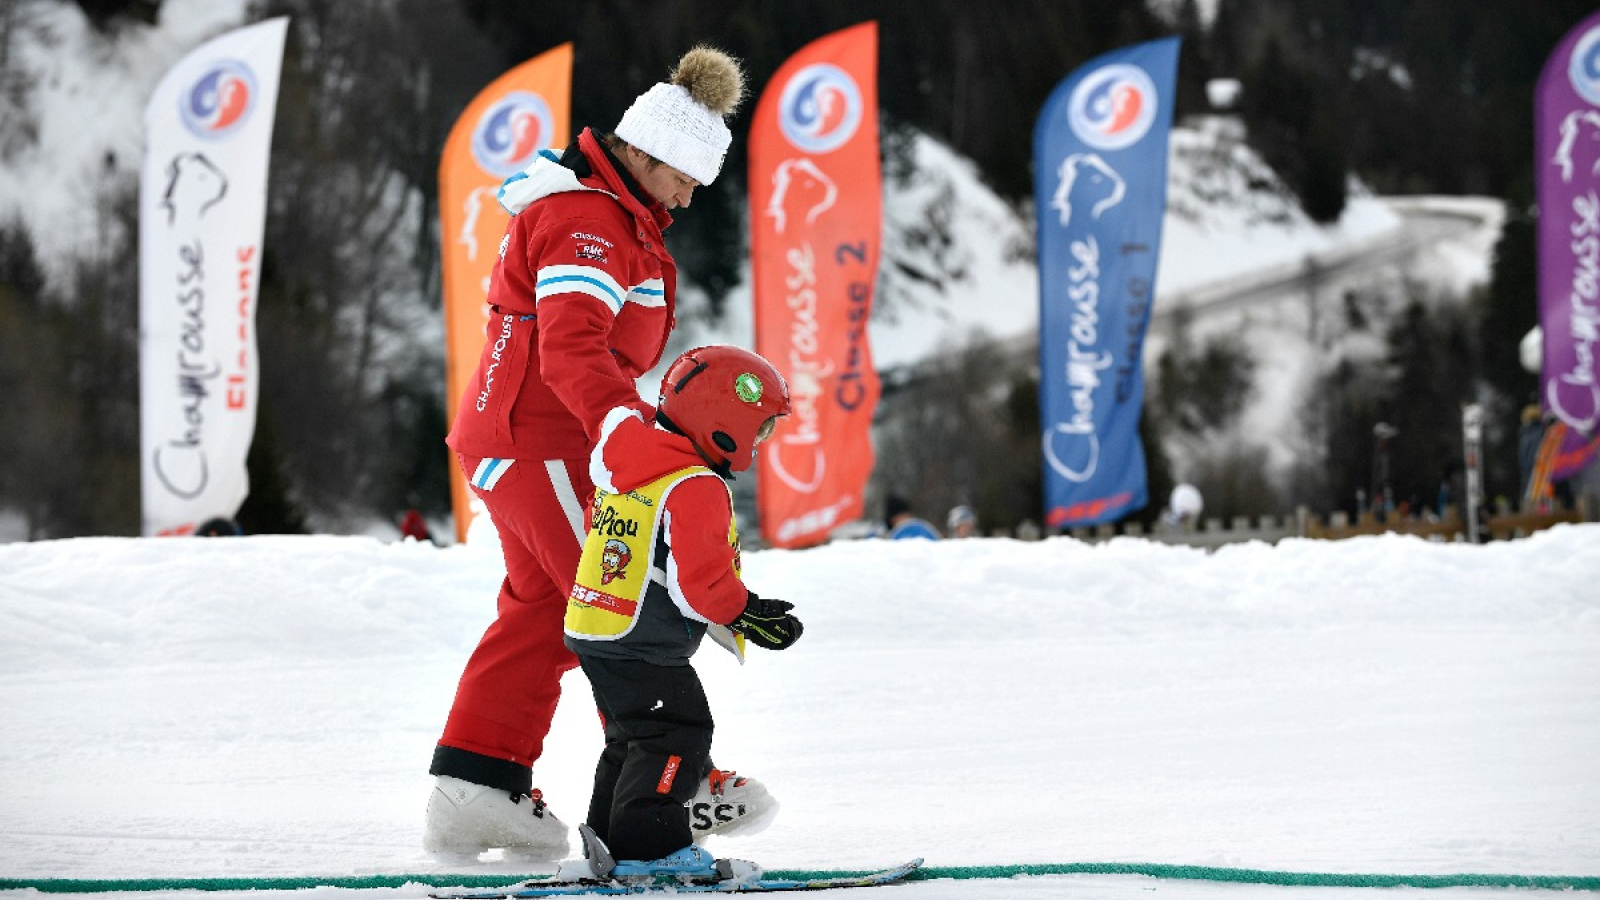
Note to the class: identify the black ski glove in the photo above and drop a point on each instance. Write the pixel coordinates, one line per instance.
(768, 623)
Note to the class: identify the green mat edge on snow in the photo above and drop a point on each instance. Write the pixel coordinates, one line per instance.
(1153, 870)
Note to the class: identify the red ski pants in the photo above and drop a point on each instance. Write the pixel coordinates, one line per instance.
(508, 692)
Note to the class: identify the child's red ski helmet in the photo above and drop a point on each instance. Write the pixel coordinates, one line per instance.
(724, 399)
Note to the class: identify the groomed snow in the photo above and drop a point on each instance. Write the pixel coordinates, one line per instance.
(266, 707)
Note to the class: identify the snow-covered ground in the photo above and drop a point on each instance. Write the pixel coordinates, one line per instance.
(266, 707)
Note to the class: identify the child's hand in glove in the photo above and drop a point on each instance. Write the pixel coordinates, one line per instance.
(768, 623)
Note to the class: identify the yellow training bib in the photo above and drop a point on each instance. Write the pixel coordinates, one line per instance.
(614, 571)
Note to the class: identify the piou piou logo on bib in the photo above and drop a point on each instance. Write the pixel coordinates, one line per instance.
(609, 523)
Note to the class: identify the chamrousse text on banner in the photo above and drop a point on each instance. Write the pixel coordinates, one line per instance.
(202, 207)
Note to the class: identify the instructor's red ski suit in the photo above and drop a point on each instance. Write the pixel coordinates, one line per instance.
(580, 305)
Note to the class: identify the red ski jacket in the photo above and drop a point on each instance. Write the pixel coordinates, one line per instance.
(580, 305)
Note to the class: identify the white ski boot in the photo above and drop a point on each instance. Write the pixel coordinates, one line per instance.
(466, 819)
(728, 803)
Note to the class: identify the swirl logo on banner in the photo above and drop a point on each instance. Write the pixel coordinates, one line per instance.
(511, 132)
(1113, 107)
(219, 101)
(820, 108)
(1584, 67)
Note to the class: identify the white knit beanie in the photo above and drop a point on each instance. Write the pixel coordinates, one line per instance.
(680, 123)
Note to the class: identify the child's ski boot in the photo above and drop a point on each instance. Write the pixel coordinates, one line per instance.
(728, 803)
(693, 864)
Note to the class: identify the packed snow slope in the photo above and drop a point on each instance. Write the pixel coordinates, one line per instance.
(265, 707)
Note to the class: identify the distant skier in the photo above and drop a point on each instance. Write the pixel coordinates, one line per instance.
(658, 493)
(414, 527)
(900, 523)
(1183, 508)
(962, 522)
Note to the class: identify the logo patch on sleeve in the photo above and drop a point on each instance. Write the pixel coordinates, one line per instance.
(591, 246)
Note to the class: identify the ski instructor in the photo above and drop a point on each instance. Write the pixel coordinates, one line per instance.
(581, 303)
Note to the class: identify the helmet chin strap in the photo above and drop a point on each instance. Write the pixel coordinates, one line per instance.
(721, 468)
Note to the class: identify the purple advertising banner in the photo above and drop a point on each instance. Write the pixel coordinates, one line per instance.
(1567, 154)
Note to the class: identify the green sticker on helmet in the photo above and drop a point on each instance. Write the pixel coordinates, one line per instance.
(748, 387)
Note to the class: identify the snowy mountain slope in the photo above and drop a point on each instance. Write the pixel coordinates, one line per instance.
(957, 259)
(84, 100)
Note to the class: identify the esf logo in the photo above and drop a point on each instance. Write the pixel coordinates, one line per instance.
(510, 132)
(1112, 107)
(707, 815)
(219, 101)
(1583, 70)
(820, 108)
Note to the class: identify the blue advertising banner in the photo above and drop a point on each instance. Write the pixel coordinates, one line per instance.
(1100, 187)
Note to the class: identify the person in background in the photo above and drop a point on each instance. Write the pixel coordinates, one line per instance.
(1183, 510)
(581, 301)
(902, 523)
(221, 526)
(660, 567)
(1529, 436)
(962, 522)
(413, 526)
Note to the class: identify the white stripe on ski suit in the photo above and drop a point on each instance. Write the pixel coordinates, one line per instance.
(561, 485)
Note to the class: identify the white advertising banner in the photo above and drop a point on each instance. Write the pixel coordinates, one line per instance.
(202, 202)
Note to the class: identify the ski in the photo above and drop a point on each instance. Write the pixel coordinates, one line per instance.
(532, 889)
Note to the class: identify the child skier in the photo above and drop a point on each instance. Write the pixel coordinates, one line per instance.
(660, 566)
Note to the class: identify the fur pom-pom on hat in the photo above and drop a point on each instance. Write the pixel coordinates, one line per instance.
(680, 123)
(712, 78)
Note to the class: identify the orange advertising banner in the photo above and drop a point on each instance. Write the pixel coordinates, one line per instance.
(520, 113)
(815, 212)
